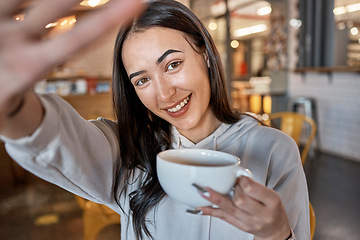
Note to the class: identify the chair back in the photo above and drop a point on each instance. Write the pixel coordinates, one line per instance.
(312, 221)
(293, 124)
(96, 217)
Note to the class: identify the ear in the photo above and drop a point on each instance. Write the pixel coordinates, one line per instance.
(206, 59)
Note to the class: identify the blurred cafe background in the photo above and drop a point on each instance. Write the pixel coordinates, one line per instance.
(294, 56)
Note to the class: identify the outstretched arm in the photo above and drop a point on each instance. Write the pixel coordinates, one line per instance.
(25, 55)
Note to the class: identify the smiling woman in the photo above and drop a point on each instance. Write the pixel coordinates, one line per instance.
(168, 92)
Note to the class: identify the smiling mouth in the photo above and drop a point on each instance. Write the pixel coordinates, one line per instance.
(179, 106)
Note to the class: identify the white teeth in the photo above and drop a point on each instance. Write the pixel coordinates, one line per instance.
(179, 106)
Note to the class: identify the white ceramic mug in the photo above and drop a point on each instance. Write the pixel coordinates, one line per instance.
(179, 169)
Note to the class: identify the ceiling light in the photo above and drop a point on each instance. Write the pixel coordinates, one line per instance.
(354, 31)
(347, 9)
(295, 23)
(19, 17)
(339, 10)
(72, 21)
(353, 7)
(250, 30)
(65, 21)
(93, 3)
(50, 25)
(264, 11)
(212, 26)
(341, 25)
(234, 44)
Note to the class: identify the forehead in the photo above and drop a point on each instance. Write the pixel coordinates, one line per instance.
(153, 42)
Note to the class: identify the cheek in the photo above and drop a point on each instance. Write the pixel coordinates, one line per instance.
(202, 82)
(198, 80)
(147, 98)
(205, 91)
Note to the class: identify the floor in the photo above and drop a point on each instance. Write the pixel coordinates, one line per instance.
(334, 190)
(40, 211)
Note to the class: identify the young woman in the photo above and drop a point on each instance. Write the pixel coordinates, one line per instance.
(169, 92)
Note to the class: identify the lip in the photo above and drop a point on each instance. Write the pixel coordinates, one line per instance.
(180, 112)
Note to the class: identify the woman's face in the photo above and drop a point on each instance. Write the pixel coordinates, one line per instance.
(171, 79)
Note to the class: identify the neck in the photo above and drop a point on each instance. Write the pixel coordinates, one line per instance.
(196, 134)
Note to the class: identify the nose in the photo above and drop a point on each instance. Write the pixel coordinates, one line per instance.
(164, 89)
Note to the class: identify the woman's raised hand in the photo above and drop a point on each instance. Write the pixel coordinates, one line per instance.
(254, 209)
(25, 55)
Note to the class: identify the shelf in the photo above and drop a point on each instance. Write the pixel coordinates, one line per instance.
(92, 106)
(86, 96)
(328, 69)
(98, 78)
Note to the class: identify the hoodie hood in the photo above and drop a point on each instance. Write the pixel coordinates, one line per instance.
(224, 134)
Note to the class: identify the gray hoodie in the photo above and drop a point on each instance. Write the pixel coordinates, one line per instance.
(80, 156)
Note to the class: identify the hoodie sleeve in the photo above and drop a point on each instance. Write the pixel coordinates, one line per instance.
(71, 152)
(274, 159)
(286, 177)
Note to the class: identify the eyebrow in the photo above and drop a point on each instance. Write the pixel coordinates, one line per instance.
(160, 59)
(136, 74)
(165, 54)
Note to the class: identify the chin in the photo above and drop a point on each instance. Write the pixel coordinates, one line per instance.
(185, 126)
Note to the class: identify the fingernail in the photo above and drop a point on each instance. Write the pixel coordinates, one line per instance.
(244, 182)
(194, 211)
(202, 190)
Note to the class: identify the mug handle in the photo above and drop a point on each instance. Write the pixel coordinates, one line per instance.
(244, 172)
(241, 172)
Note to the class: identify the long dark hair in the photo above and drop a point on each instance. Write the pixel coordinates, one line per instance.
(142, 134)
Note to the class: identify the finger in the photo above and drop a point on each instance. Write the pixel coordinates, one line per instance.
(44, 13)
(240, 219)
(8, 8)
(257, 191)
(228, 217)
(246, 203)
(90, 28)
(221, 201)
(240, 200)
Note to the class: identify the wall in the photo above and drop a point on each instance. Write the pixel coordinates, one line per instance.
(96, 59)
(337, 97)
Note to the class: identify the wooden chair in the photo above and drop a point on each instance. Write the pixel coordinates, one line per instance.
(312, 221)
(292, 124)
(96, 217)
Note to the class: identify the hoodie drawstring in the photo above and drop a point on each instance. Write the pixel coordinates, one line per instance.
(178, 143)
(215, 143)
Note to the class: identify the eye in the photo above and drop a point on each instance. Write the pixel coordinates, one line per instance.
(173, 65)
(141, 81)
